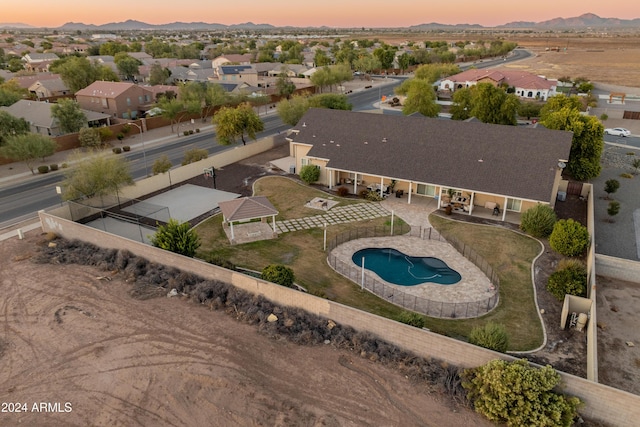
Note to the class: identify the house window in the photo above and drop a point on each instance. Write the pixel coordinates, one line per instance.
(128, 101)
(140, 99)
(529, 94)
(105, 104)
(514, 205)
(426, 190)
(304, 162)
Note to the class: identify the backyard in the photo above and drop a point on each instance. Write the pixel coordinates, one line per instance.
(509, 253)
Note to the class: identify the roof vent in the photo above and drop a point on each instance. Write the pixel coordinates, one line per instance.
(337, 145)
(304, 124)
(331, 141)
(480, 160)
(384, 139)
(365, 143)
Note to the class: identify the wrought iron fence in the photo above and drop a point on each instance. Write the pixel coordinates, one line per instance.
(395, 294)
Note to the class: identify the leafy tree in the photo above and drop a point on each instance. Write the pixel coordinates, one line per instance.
(366, 63)
(11, 92)
(76, 72)
(492, 104)
(321, 58)
(461, 107)
(421, 98)
(385, 54)
(538, 220)
(491, 335)
(161, 165)
(89, 137)
(11, 126)
(69, 115)
(175, 109)
(331, 75)
(27, 148)
(569, 278)
(587, 143)
(177, 237)
(15, 64)
(517, 394)
(97, 175)
(613, 209)
(434, 72)
(158, 75)
(529, 109)
(569, 237)
(194, 155)
(278, 273)
(127, 65)
(332, 101)
(404, 60)
(284, 86)
(611, 186)
(232, 123)
(292, 110)
(310, 173)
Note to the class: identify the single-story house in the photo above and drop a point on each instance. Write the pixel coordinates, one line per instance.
(49, 88)
(525, 85)
(38, 115)
(470, 165)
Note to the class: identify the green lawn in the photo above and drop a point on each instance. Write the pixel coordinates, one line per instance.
(508, 252)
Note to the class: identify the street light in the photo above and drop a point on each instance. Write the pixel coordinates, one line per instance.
(144, 152)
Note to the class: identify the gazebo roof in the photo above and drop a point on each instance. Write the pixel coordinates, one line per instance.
(247, 208)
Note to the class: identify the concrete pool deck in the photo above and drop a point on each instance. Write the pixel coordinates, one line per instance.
(474, 285)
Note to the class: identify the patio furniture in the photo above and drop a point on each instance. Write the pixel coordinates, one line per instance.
(399, 193)
(496, 211)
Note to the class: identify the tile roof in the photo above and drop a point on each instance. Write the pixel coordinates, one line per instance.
(236, 69)
(497, 159)
(515, 78)
(105, 89)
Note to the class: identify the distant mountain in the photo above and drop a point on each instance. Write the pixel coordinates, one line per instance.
(132, 25)
(10, 25)
(437, 26)
(588, 20)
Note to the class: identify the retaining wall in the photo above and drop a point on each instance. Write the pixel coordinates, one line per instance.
(603, 403)
(618, 268)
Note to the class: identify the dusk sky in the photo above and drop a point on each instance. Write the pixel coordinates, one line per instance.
(331, 13)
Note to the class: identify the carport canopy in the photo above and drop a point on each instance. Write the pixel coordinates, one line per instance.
(247, 209)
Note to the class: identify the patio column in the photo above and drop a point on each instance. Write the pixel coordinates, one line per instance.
(355, 184)
(273, 218)
(409, 198)
(232, 236)
(471, 203)
(504, 210)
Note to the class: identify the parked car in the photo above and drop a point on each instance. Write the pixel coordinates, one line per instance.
(617, 132)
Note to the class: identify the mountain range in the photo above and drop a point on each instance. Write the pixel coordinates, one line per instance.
(585, 21)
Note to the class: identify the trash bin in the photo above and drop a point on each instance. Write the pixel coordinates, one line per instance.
(292, 169)
(562, 196)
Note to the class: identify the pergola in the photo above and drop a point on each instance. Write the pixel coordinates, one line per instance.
(246, 209)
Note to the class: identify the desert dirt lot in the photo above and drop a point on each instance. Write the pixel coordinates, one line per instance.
(70, 336)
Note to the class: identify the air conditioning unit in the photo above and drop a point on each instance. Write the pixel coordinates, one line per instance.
(562, 196)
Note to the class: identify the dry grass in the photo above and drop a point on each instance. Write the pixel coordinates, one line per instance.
(508, 252)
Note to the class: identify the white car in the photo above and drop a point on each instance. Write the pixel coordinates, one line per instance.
(617, 132)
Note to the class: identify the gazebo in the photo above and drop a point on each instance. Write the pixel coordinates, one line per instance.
(244, 211)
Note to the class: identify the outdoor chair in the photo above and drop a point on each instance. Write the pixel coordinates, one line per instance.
(496, 211)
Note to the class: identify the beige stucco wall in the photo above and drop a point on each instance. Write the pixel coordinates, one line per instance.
(602, 403)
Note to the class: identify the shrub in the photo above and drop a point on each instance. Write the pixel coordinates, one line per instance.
(126, 129)
(373, 196)
(519, 395)
(611, 186)
(363, 193)
(177, 237)
(43, 169)
(105, 133)
(278, 273)
(492, 336)
(116, 150)
(310, 173)
(342, 191)
(569, 278)
(194, 155)
(53, 167)
(626, 175)
(219, 261)
(603, 117)
(186, 132)
(190, 132)
(538, 220)
(412, 319)
(120, 136)
(569, 238)
(197, 130)
(126, 148)
(64, 165)
(613, 209)
(89, 137)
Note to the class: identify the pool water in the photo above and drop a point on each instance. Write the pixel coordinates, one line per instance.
(395, 267)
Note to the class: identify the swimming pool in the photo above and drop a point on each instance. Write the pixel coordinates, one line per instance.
(395, 267)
